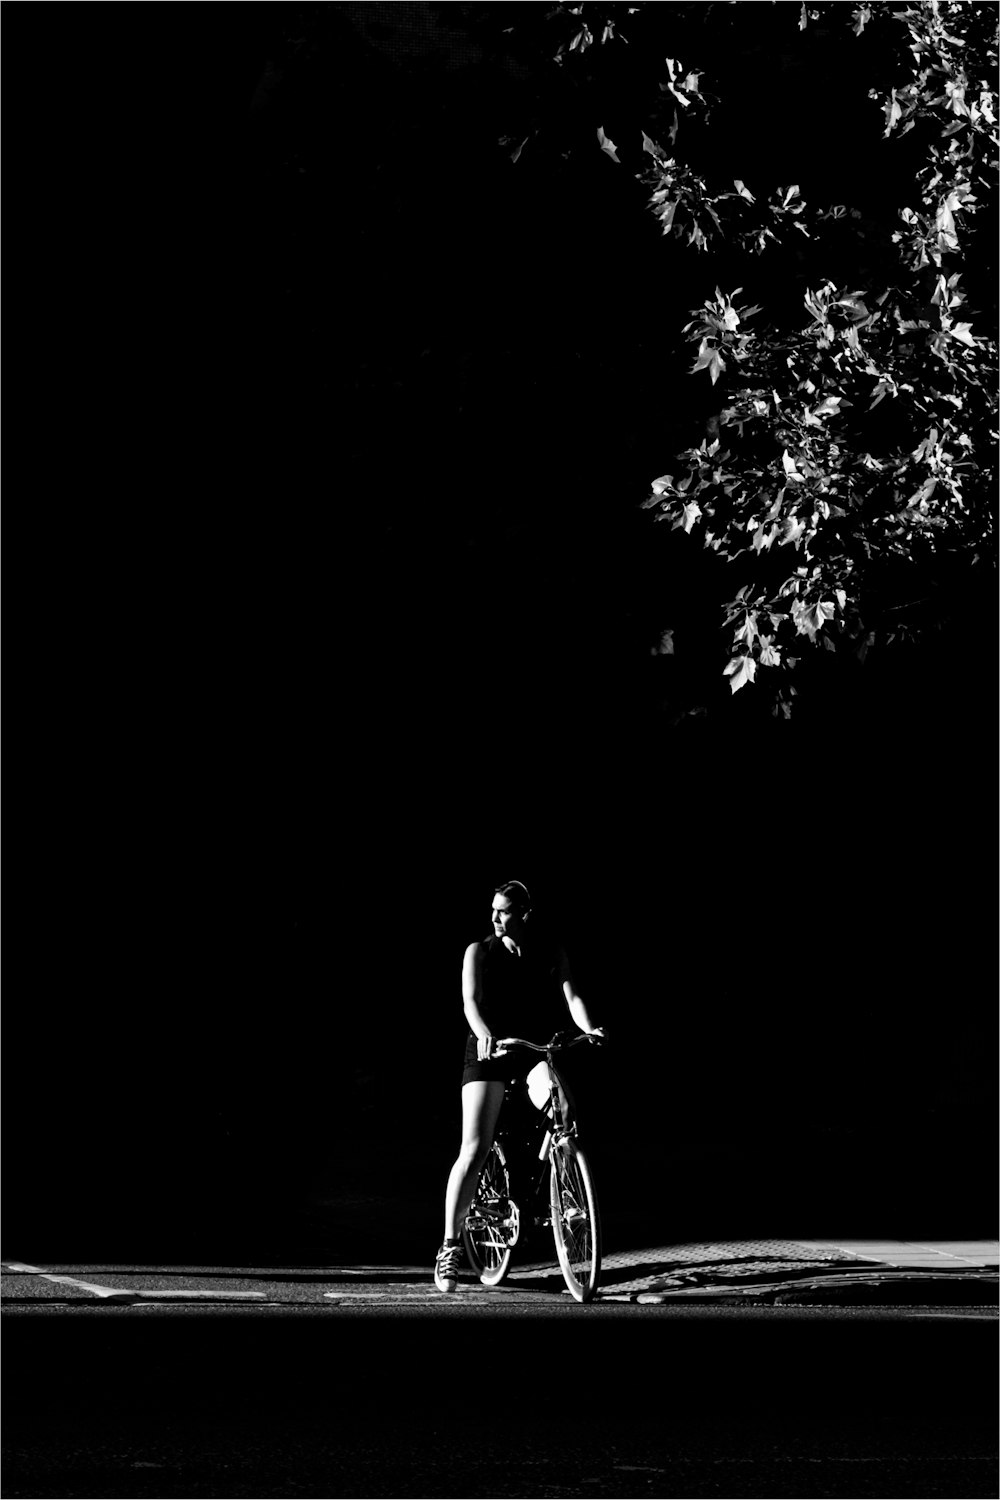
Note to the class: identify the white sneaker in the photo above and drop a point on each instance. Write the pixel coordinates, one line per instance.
(446, 1265)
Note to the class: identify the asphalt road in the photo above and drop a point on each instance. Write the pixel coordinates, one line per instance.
(497, 1397)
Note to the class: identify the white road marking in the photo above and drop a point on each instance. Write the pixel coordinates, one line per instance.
(965, 1260)
(110, 1292)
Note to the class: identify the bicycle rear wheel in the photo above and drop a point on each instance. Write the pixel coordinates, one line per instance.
(576, 1223)
(493, 1223)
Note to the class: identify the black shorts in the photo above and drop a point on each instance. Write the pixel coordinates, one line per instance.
(516, 1065)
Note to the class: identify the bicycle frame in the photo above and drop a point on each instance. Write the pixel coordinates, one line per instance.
(560, 1125)
(493, 1225)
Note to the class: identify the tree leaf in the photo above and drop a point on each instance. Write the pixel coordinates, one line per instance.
(691, 513)
(740, 671)
(708, 359)
(666, 215)
(747, 632)
(607, 145)
(893, 113)
(763, 539)
(924, 493)
(810, 618)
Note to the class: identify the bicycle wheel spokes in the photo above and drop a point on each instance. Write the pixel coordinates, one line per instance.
(576, 1224)
(493, 1223)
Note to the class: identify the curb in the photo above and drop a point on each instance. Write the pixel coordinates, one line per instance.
(881, 1290)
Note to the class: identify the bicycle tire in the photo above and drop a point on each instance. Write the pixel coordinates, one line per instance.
(576, 1220)
(493, 1224)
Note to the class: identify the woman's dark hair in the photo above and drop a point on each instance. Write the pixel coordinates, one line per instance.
(516, 892)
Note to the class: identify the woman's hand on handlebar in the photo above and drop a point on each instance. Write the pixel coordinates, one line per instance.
(571, 1038)
(484, 1047)
(559, 1042)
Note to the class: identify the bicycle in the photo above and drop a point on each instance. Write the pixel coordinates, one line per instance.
(493, 1224)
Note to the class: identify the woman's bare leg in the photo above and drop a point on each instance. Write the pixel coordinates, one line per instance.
(481, 1103)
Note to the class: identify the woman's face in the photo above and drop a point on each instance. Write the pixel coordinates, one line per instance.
(506, 921)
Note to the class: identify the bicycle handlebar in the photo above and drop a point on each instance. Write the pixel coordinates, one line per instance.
(554, 1046)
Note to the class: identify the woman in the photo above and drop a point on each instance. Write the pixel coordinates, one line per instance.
(515, 983)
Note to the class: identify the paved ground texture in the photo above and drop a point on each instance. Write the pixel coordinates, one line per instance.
(763, 1271)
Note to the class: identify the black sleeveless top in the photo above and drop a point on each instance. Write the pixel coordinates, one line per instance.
(522, 996)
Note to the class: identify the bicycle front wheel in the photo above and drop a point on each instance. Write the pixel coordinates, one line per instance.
(576, 1224)
(493, 1222)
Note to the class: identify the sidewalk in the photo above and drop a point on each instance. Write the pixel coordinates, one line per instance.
(842, 1271)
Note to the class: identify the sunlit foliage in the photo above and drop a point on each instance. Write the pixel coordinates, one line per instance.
(847, 479)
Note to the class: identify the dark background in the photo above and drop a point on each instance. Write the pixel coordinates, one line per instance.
(336, 607)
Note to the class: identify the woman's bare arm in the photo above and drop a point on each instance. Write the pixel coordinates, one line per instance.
(472, 995)
(577, 1007)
